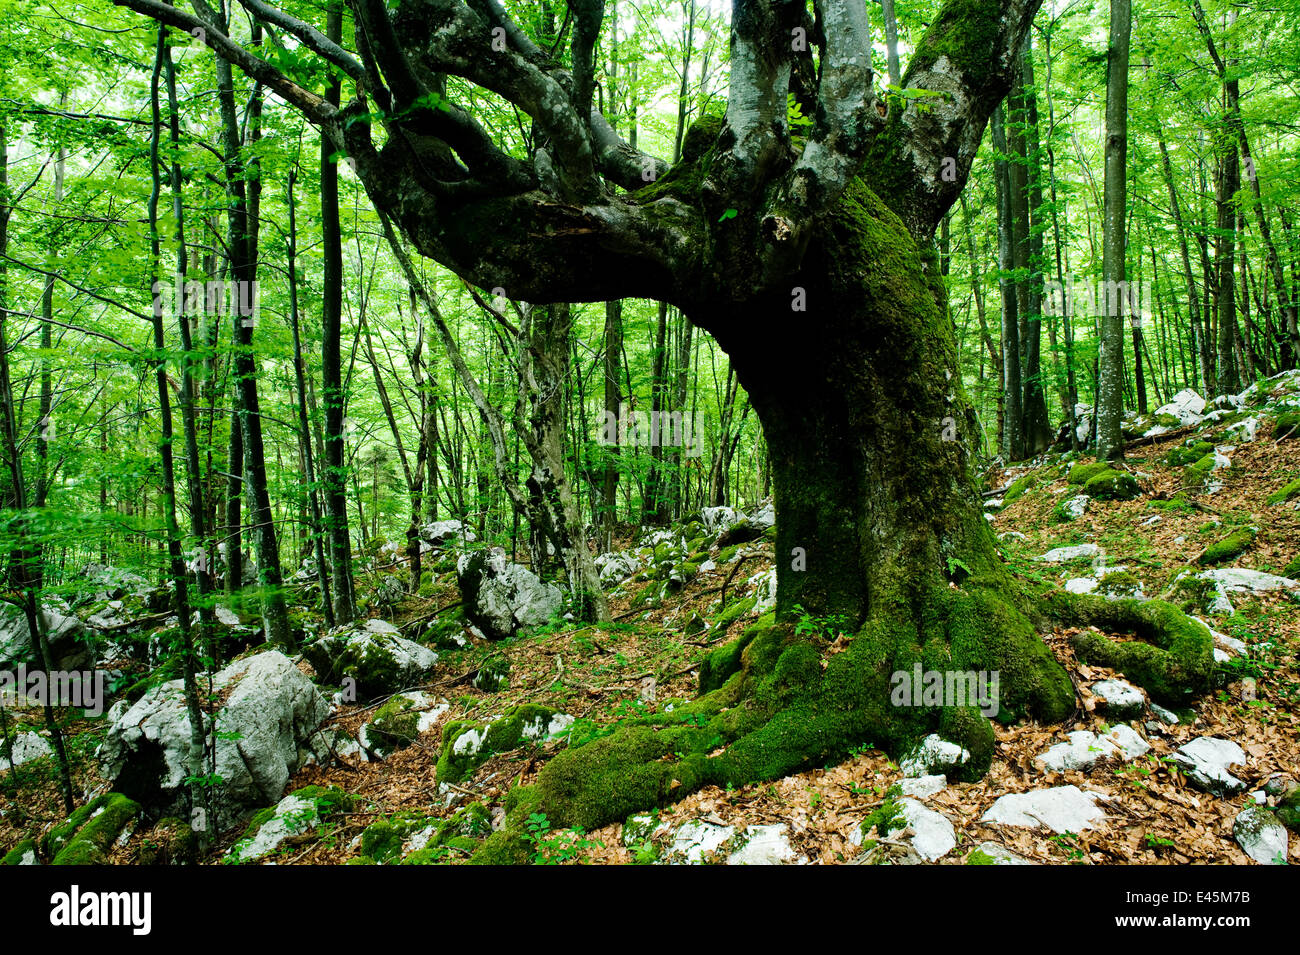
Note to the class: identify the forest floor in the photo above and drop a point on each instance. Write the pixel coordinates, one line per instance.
(645, 660)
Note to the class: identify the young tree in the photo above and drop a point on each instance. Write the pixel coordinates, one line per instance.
(1114, 301)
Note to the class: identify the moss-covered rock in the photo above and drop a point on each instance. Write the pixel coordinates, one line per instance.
(1288, 810)
(294, 815)
(1111, 485)
(170, 842)
(1229, 548)
(1084, 472)
(375, 655)
(1201, 469)
(399, 722)
(1189, 453)
(467, 744)
(1287, 425)
(447, 631)
(383, 840)
(726, 555)
(1176, 503)
(86, 836)
(1017, 489)
(22, 854)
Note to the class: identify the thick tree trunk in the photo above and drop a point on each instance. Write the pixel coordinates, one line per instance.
(869, 433)
(870, 457)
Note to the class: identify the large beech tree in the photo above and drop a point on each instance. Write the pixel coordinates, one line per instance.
(810, 260)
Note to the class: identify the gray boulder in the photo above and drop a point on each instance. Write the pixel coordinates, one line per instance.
(442, 533)
(500, 597)
(716, 519)
(933, 836)
(615, 567)
(1085, 748)
(1206, 761)
(1061, 809)
(374, 654)
(25, 748)
(1121, 699)
(1261, 835)
(264, 734)
(70, 644)
(934, 756)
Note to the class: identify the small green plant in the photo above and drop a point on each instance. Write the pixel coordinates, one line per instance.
(1069, 842)
(830, 626)
(1156, 842)
(555, 847)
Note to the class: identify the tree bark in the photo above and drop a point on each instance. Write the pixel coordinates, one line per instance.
(333, 395)
(1110, 366)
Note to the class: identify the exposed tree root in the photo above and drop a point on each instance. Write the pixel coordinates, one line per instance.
(1173, 657)
(777, 701)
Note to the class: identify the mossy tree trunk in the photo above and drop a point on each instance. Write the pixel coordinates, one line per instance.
(867, 425)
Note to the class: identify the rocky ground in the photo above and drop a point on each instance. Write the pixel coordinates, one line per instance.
(396, 739)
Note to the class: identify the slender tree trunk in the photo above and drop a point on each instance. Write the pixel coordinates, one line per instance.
(1110, 370)
(1012, 414)
(1038, 428)
(332, 393)
(613, 408)
(176, 555)
(25, 558)
(316, 527)
(891, 42)
(242, 184)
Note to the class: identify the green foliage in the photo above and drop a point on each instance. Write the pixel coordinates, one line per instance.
(794, 116)
(555, 847)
